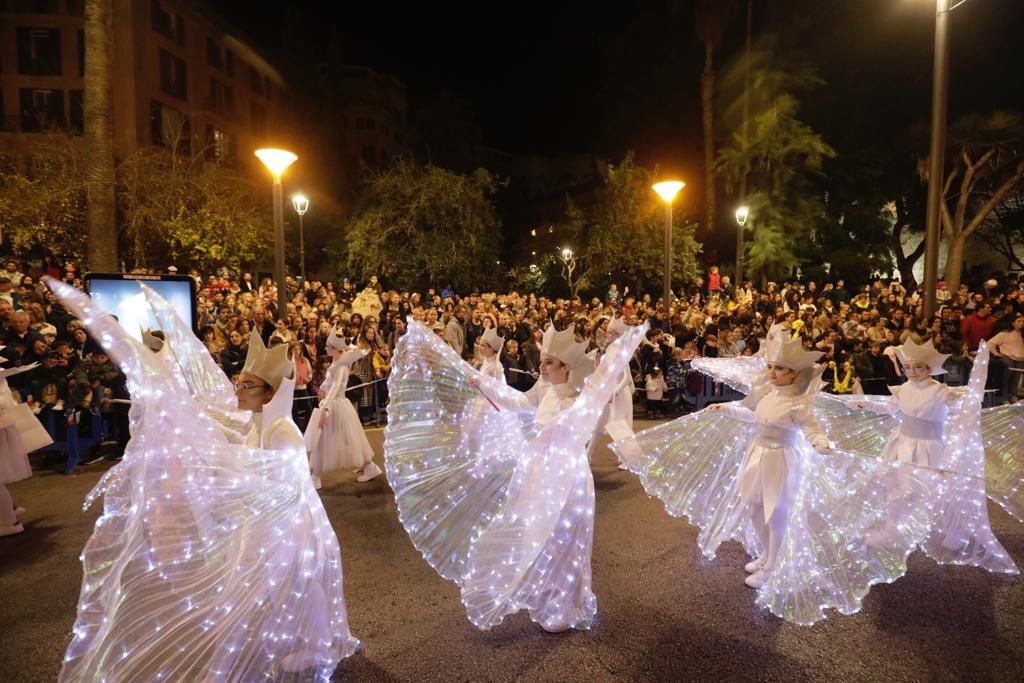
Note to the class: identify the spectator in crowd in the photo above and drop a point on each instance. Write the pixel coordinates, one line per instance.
(977, 326)
(1007, 347)
(455, 331)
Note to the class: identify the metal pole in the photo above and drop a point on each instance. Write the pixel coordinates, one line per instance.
(667, 293)
(282, 296)
(743, 179)
(937, 159)
(302, 250)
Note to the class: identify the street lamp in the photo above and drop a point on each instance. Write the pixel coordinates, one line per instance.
(301, 204)
(936, 157)
(742, 214)
(568, 266)
(276, 161)
(668, 190)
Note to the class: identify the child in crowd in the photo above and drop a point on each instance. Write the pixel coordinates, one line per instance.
(655, 388)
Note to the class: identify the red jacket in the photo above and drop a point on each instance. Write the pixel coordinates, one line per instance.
(973, 329)
(714, 281)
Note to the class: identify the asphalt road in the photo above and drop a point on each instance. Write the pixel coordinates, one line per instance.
(664, 613)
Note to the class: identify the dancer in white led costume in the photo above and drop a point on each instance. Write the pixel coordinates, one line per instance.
(767, 472)
(335, 438)
(212, 560)
(507, 512)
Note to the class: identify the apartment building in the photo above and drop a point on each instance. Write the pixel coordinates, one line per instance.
(178, 69)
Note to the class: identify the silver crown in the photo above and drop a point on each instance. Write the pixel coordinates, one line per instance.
(336, 339)
(271, 365)
(790, 353)
(563, 345)
(491, 338)
(923, 353)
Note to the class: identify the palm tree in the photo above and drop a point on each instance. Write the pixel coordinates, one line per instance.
(712, 17)
(99, 139)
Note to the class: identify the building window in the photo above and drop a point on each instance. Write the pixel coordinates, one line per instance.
(258, 116)
(222, 99)
(76, 111)
(371, 124)
(360, 122)
(38, 51)
(41, 109)
(255, 81)
(369, 154)
(229, 63)
(76, 7)
(81, 53)
(214, 54)
(218, 145)
(35, 6)
(168, 126)
(173, 76)
(170, 26)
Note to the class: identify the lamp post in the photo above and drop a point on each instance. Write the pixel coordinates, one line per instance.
(936, 156)
(742, 214)
(301, 204)
(568, 266)
(668, 190)
(276, 161)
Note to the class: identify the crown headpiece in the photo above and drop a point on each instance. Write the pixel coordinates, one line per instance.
(790, 353)
(923, 353)
(618, 326)
(347, 355)
(563, 345)
(336, 339)
(491, 338)
(271, 365)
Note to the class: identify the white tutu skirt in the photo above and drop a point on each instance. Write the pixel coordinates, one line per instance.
(343, 443)
(14, 464)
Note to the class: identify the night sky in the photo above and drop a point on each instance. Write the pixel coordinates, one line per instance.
(604, 77)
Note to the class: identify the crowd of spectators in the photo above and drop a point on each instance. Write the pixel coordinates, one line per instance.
(855, 328)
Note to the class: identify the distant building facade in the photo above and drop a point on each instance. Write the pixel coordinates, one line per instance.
(179, 71)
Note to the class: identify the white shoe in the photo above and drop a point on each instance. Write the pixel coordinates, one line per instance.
(369, 472)
(317, 484)
(11, 530)
(559, 627)
(19, 511)
(753, 566)
(757, 579)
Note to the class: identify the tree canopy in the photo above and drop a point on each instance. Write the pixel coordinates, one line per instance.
(620, 235)
(421, 224)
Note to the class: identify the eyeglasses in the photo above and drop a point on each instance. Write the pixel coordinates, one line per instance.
(248, 386)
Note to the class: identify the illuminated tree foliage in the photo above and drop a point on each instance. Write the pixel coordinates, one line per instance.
(418, 225)
(42, 204)
(184, 208)
(782, 155)
(620, 236)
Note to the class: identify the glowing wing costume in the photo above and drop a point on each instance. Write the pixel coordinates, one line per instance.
(505, 510)
(211, 560)
(868, 431)
(693, 465)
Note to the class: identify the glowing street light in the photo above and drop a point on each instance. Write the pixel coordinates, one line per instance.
(668, 190)
(301, 204)
(276, 161)
(568, 266)
(742, 214)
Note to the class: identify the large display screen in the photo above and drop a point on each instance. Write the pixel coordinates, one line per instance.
(120, 295)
